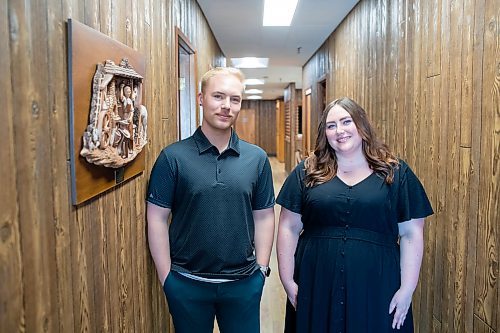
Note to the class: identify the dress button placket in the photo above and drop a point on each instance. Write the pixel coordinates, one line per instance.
(342, 253)
(343, 277)
(345, 219)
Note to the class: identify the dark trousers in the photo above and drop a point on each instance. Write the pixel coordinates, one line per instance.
(195, 304)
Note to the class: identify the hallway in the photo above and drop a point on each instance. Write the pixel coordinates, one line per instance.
(74, 246)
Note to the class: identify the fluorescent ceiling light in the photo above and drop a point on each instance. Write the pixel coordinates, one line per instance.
(254, 97)
(253, 82)
(250, 62)
(278, 13)
(253, 91)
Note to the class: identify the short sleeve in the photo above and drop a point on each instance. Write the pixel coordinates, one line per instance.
(162, 182)
(264, 192)
(413, 202)
(290, 195)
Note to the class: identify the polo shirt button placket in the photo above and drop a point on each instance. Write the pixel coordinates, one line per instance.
(218, 169)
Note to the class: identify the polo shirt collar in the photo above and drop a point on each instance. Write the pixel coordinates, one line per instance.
(204, 145)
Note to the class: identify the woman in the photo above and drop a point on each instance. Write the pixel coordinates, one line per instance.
(353, 215)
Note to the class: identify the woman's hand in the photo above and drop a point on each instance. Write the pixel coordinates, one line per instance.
(400, 302)
(291, 289)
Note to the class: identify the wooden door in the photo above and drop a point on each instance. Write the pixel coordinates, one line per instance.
(245, 125)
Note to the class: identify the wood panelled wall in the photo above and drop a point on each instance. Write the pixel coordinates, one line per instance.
(265, 123)
(280, 130)
(290, 103)
(86, 268)
(427, 72)
(314, 72)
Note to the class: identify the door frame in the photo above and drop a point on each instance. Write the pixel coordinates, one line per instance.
(306, 122)
(182, 41)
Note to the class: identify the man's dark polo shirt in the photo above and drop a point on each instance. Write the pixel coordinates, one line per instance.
(212, 197)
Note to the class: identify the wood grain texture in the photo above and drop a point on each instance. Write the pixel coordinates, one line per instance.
(85, 268)
(90, 179)
(265, 124)
(33, 160)
(60, 166)
(245, 125)
(280, 130)
(486, 287)
(11, 288)
(291, 104)
(427, 74)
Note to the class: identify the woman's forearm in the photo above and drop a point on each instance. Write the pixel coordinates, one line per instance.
(288, 235)
(411, 247)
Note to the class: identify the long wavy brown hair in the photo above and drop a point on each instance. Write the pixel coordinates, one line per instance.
(321, 165)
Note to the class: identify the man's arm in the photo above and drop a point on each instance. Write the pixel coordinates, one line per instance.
(264, 234)
(159, 244)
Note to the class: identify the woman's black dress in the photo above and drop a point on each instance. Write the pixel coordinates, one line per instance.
(347, 258)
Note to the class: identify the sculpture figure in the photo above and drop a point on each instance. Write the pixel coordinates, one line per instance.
(117, 129)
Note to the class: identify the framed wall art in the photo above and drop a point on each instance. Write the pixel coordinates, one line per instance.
(108, 119)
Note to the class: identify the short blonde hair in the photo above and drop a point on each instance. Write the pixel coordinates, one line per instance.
(221, 70)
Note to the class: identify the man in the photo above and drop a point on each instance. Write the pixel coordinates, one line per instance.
(214, 255)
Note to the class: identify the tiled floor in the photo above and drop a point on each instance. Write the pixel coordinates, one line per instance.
(273, 299)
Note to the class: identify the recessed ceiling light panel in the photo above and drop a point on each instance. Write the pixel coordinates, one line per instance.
(250, 62)
(253, 91)
(253, 82)
(278, 13)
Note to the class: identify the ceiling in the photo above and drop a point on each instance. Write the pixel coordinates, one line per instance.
(237, 26)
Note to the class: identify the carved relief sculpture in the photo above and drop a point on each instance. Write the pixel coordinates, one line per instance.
(117, 128)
